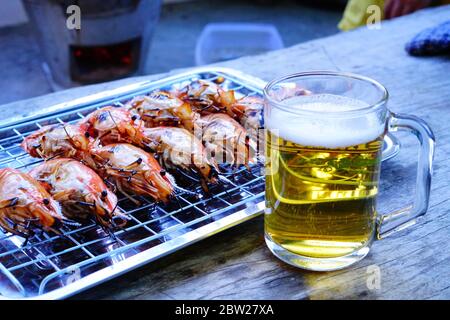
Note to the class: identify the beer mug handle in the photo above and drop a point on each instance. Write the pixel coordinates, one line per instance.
(390, 223)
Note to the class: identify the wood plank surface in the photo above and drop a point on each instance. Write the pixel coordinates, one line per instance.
(414, 264)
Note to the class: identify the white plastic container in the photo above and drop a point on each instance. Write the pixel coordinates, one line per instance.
(225, 41)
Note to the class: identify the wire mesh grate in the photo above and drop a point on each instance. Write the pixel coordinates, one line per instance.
(48, 261)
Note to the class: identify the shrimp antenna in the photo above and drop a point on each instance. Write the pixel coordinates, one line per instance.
(224, 179)
(71, 223)
(99, 138)
(110, 233)
(118, 226)
(27, 238)
(112, 118)
(87, 204)
(68, 135)
(178, 202)
(183, 173)
(182, 190)
(111, 185)
(119, 214)
(176, 187)
(114, 209)
(9, 225)
(54, 156)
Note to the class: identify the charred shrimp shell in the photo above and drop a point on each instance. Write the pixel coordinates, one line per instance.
(80, 191)
(161, 108)
(64, 140)
(114, 125)
(179, 149)
(131, 169)
(25, 205)
(226, 140)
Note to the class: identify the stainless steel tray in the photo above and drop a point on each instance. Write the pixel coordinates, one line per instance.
(55, 267)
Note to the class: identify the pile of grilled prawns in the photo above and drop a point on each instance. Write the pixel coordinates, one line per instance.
(130, 149)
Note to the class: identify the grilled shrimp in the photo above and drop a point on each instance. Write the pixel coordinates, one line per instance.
(208, 97)
(114, 125)
(64, 140)
(226, 140)
(178, 148)
(198, 89)
(247, 111)
(162, 108)
(202, 95)
(79, 190)
(132, 169)
(25, 205)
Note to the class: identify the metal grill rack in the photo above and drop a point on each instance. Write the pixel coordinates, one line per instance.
(56, 266)
(53, 266)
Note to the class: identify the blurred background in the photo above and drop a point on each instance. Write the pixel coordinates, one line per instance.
(120, 38)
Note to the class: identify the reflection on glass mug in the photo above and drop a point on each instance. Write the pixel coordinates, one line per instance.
(323, 154)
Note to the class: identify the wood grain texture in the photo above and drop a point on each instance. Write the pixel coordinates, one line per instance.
(414, 264)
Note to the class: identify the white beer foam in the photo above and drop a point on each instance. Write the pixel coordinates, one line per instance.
(323, 130)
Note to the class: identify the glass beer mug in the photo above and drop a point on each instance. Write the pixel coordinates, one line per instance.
(324, 143)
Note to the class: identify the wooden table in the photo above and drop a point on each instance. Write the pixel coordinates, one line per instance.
(235, 264)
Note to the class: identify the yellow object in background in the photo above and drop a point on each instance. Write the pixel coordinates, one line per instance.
(356, 12)
(356, 15)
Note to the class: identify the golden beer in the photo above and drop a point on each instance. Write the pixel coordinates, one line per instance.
(321, 202)
(322, 180)
(325, 132)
